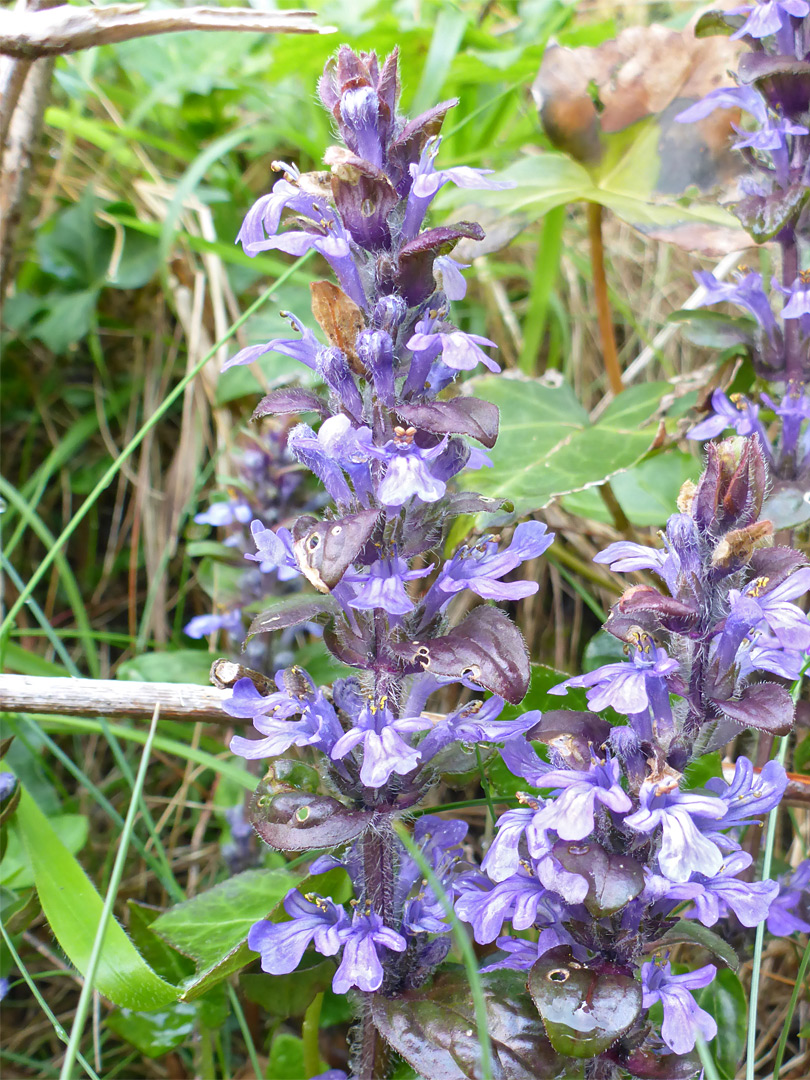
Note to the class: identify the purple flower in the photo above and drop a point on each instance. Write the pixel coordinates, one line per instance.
(504, 856)
(798, 306)
(409, 474)
(274, 551)
(767, 17)
(225, 513)
(318, 726)
(481, 566)
(571, 814)
(684, 1020)
(519, 898)
(782, 920)
(314, 919)
(713, 896)
(384, 750)
(639, 688)
(361, 965)
(459, 351)
(772, 138)
(787, 622)
(451, 280)
(383, 586)
(735, 412)
(304, 349)
(474, 723)
(203, 625)
(522, 955)
(427, 182)
(684, 848)
(749, 795)
(726, 97)
(747, 292)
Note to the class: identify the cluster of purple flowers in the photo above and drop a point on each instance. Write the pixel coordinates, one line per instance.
(774, 93)
(611, 843)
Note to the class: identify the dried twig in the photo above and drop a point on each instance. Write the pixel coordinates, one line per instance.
(106, 697)
(65, 29)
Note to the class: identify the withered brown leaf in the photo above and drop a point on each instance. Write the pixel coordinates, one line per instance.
(339, 318)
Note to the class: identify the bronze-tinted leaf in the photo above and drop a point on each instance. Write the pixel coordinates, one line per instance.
(764, 706)
(435, 1030)
(486, 648)
(291, 611)
(651, 1066)
(572, 734)
(298, 821)
(584, 1012)
(459, 416)
(613, 880)
(293, 399)
(415, 276)
(339, 318)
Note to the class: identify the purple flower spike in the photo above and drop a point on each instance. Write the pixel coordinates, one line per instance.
(684, 848)
(684, 1020)
(409, 474)
(787, 622)
(459, 351)
(361, 965)
(571, 814)
(314, 919)
(736, 412)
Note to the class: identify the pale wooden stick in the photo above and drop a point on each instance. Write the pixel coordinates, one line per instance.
(66, 29)
(108, 697)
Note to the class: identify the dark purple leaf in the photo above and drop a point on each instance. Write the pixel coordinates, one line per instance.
(298, 821)
(415, 277)
(784, 81)
(409, 144)
(613, 880)
(435, 1030)
(584, 1011)
(345, 645)
(765, 215)
(650, 1066)
(486, 648)
(691, 932)
(764, 706)
(293, 399)
(291, 611)
(364, 197)
(776, 563)
(459, 416)
(572, 734)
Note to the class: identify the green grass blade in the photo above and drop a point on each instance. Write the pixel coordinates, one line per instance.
(546, 268)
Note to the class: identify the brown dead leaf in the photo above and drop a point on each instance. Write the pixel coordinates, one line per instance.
(339, 318)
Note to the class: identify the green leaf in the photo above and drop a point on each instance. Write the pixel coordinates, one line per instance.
(725, 1000)
(69, 317)
(288, 995)
(647, 493)
(176, 665)
(212, 928)
(713, 329)
(689, 932)
(16, 870)
(73, 909)
(155, 1033)
(287, 1058)
(547, 447)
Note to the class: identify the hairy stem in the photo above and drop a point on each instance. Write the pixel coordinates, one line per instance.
(371, 1056)
(611, 356)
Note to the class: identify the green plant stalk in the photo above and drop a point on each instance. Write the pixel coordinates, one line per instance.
(131, 447)
(546, 268)
(309, 1036)
(794, 998)
(233, 997)
(767, 859)
(706, 1060)
(464, 945)
(32, 986)
(48, 631)
(112, 891)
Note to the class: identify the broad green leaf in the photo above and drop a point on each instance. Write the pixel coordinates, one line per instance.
(73, 909)
(647, 493)
(212, 928)
(725, 1000)
(689, 932)
(547, 447)
(174, 665)
(287, 1058)
(16, 869)
(155, 1033)
(288, 995)
(69, 317)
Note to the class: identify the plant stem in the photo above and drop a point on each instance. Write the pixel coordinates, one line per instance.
(309, 1036)
(372, 1051)
(546, 267)
(600, 290)
(790, 271)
